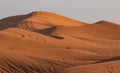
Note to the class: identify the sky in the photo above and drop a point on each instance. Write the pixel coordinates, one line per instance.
(83, 10)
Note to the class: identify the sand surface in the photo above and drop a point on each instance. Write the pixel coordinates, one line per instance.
(45, 42)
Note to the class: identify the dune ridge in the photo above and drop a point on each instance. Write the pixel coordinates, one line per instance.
(46, 42)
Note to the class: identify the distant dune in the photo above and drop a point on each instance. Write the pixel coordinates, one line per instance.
(45, 42)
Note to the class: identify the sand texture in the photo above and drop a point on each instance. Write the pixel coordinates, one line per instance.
(45, 42)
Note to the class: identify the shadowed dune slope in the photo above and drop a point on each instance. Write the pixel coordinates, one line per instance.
(45, 42)
(108, 67)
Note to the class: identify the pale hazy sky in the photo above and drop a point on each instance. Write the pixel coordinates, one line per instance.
(83, 10)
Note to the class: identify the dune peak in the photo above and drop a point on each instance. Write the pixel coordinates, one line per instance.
(35, 13)
(106, 22)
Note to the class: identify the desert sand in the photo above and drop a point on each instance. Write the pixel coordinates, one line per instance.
(46, 42)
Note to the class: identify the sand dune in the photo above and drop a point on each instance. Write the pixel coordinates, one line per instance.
(38, 20)
(101, 30)
(45, 42)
